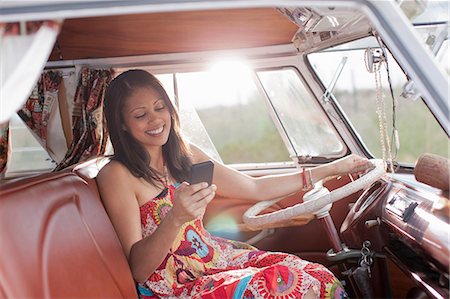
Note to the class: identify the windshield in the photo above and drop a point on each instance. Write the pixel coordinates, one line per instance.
(356, 94)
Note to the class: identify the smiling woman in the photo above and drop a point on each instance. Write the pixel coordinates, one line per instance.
(169, 251)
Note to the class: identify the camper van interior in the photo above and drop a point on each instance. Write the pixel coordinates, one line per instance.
(265, 87)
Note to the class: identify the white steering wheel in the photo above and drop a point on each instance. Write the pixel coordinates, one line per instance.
(317, 202)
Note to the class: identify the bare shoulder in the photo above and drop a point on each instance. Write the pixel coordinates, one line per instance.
(113, 171)
(117, 188)
(114, 178)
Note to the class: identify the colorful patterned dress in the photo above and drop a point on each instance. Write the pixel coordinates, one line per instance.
(203, 266)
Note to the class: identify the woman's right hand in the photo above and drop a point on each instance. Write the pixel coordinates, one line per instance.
(190, 201)
(351, 164)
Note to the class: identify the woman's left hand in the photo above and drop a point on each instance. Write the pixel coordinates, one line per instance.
(352, 164)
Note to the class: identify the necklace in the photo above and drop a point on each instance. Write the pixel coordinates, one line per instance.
(164, 177)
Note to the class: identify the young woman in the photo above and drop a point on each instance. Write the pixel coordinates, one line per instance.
(158, 216)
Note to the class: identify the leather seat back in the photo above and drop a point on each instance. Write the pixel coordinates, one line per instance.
(56, 241)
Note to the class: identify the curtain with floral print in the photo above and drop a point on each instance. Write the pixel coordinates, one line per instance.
(31, 27)
(24, 50)
(88, 123)
(37, 109)
(4, 148)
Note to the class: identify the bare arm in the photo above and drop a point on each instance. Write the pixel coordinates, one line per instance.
(146, 254)
(232, 183)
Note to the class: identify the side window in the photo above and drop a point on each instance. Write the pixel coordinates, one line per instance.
(435, 37)
(191, 126)
(234, 113)
(27, 155)
(442, 56)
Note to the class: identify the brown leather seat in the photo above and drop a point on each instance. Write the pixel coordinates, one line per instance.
(56, 240)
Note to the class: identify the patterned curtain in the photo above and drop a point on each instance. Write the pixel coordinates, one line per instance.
(10, 65)
(30, 27)
(4, 142)
(89, 131)
(36, 111)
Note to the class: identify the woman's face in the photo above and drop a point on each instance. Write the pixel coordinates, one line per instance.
(147, 117)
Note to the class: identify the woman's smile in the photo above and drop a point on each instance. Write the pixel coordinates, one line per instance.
(156, 132)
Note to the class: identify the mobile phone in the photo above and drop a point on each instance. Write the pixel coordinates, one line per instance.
(201, 172)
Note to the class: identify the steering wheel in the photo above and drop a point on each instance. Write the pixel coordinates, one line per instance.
(313, 206)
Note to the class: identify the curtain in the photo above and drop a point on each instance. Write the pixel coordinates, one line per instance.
(88, 124)
(37, 109)
(30, 27)
(4, 148)
(24, 51)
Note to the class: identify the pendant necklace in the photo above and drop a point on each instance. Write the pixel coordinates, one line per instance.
(164, 179)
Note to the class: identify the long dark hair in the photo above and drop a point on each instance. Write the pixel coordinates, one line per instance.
(127, 149)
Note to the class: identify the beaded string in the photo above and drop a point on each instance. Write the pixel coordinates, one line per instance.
(381, 110)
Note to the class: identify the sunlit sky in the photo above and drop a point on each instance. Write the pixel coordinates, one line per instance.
(226, 83)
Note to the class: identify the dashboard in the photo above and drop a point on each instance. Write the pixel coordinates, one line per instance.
(401, 219)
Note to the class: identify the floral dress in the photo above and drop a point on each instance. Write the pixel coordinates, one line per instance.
(203, 266)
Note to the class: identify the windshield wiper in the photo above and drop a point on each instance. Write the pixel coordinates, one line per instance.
(326, 95)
